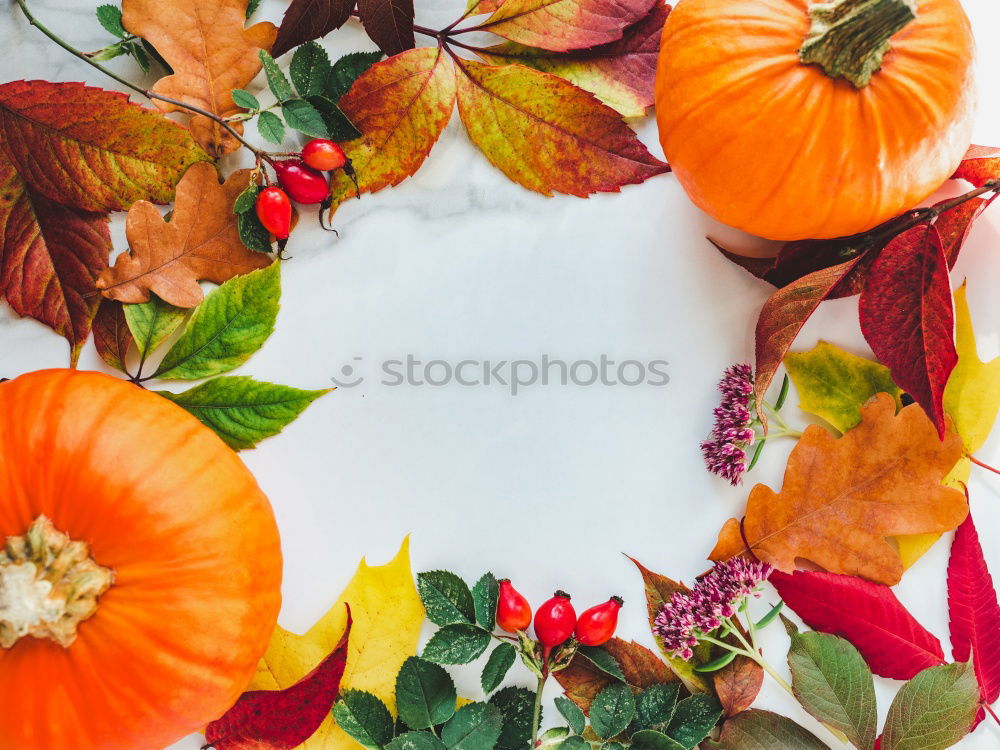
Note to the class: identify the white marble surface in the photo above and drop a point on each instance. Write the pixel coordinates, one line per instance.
(547, 487)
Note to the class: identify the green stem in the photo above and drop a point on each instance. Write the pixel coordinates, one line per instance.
(754, 654)
(849, 38)
(536, 717)
(22, 4)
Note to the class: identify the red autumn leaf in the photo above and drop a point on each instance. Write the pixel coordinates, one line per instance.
(867, 614)
(282, 719)
(306, 20)
(783, 316)
(562, 25)
(90, 148)
(547, 134)
(737, 685)
(50, 258)
(974, 612)
(979, 165)
(953, 226)
(620, 74)
(111, 333)
(908, 318)
(389, 23)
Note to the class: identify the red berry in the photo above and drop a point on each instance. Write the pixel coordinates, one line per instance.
(323, 155)
(597, 624)
(304, 184)
(274, 211)
(555, 620)
(513, 610)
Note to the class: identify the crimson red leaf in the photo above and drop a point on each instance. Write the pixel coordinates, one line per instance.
(310, 19)
(389, 23)
(50, 258)
(979, 165)
(283, 719)
(974, 612)
(783, 316)
(111, 333)
(908, 318)
(953, 226)
(867, 614)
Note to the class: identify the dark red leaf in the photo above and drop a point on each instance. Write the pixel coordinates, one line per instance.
(784, 314)
(283, 719)
(974, 612)
(737, 684)
(954, 225)
(389, 23)
(908, 317)
(111, 334)
(867, 614)
(310, 19)
(979, 165)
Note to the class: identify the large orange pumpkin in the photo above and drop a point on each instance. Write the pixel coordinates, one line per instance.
(139, 584)
(790, 119)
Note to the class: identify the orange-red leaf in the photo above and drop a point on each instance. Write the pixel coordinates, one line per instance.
(283, 719)
(561, 25)
(979, 165)
(842, 497)
(50, 257)
(200, 242)
(547, 134)
(90, 148)
(738, 684)
(400, 105)
(112, 336)
(210, 52)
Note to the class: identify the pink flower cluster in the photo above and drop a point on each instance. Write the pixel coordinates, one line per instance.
(682, 621)
(725, 451)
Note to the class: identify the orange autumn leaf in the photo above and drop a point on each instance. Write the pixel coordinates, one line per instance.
(211, 54)
(842, 497)
(200, 242)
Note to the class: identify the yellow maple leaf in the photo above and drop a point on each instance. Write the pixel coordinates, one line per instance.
(387, 615)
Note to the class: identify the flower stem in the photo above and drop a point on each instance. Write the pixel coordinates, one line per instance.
(536, 717)
(986, 466)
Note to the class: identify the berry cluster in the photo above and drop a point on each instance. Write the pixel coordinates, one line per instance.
(301, 180)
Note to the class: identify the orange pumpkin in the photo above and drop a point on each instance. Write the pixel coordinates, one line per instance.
(790, 119)
(139, 583)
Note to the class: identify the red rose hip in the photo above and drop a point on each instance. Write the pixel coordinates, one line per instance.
(555, 620)
(304, 184)
(513, 610)
(596, 625)
(323, 155)
(274, 211)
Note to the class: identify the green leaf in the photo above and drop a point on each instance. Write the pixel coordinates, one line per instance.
(252, 7)
(310, 69)
(574, 743)
(245, 99)
(270, 127)
(716, 664)
(655, 706)
(304, 117)
(151, 323)
(252, 233)
(246, 200)
(457, 644)
(110, 17)
(416, 741)
(276, 80)
(754, 729)
(601, 659)
(612, 746)
(833, 684)
(612, 710)
(232, 323)
(364, 717)
(553, 736)
(650, 739)
(572, 713)
(497, 666)
(934, 710)
(338, 125)
(486, 595)
(347, 70)
(425, 694)
(516, 705)
(694, 719)
(476, 726)
(835, 384)
(446, 598)
(243, 411)
(771, 615)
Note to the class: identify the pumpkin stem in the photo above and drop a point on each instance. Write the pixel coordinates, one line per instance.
(849, 38)
(49, 584)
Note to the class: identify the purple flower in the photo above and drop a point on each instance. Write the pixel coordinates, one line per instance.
(681, 622)
(725, 451)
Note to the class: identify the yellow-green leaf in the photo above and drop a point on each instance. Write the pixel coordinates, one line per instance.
(834, 384)
(387, 617)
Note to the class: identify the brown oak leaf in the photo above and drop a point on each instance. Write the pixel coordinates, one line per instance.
(210, 52)
(842, 497)
(200, 242)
